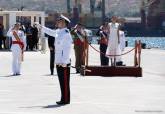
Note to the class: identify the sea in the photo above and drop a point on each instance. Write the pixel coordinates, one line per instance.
(150, 42)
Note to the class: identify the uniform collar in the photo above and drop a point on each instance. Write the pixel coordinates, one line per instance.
(62, 28)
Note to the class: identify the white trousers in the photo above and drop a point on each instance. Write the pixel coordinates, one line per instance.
(16, 62)
(43, 45)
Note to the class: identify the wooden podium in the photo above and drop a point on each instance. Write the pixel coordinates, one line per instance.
(109, 71)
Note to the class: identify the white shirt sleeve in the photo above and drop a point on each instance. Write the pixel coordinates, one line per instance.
(48, 31)
(9, 32)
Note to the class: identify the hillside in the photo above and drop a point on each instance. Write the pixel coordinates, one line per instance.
(118, 7)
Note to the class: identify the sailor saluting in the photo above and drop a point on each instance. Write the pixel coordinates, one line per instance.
(18, 46)
(63, 42)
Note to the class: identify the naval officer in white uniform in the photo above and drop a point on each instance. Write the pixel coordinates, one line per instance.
(119, 61)
(18, 46)
(63, 42)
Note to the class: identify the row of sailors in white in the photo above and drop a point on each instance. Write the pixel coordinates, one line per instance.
(17, 47)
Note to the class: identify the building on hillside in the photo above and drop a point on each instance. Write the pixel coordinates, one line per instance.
(156, 14)
(9, 18)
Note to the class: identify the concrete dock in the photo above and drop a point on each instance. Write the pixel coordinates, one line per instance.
(36, 92)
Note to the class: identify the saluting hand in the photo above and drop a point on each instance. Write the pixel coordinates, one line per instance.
(38, 24)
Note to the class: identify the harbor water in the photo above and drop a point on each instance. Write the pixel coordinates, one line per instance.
(151, 42)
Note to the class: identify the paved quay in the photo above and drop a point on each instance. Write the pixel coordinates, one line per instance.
(36, 92)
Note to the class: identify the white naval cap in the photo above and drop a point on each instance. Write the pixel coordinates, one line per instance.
(17, 23)
(64, 18)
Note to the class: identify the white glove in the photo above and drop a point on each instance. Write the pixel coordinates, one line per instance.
(38, 24)
(62, 65)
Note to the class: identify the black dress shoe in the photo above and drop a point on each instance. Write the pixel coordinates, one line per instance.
(14, 74)
(77, 71)
(18, 74)
(52, 73)
(62, 103)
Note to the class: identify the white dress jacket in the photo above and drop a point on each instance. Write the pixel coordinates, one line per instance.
(16, 47)
(63, 42)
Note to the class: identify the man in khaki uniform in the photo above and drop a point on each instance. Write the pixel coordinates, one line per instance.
(79, 35)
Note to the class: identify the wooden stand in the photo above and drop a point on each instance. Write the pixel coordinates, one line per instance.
(108, 71)
(122, 71)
